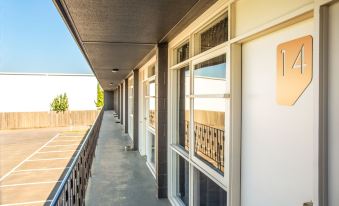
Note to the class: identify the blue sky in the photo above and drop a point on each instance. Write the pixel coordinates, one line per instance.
(34, 39)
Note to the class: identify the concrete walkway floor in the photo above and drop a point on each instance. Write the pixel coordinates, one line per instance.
(119, 177)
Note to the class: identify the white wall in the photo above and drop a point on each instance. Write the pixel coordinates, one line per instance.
(333, 100)
(277, 165)
(30, 93)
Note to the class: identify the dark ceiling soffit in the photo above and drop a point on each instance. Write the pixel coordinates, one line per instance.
(146, 58)
(120, 43)
(66, 17)
(199, 7)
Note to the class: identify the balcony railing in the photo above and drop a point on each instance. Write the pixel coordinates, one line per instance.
(73, 187)
(209, 144)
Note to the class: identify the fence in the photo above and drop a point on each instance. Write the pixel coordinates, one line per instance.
(22, 120)
(72, 189)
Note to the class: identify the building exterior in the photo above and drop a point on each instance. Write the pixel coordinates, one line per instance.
(232, 104)
(35, 92)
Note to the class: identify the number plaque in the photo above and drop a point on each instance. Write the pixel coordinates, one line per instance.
(294, 69)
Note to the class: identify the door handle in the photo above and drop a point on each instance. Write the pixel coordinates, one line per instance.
(310, 203)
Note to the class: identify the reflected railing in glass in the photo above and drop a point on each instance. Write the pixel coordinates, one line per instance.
(208, 145)
(151, 118)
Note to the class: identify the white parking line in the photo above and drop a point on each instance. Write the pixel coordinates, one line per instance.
(36, 151)
(70, 136)
(26, 203)
(66, 140)
(29, 183)
(48, 159)
(61, 145)
(41, 169)
(58, 151)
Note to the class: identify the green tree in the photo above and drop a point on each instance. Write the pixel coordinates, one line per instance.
(60, 103)
(100, 97)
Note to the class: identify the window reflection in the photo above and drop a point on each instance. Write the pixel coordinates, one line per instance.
(183, 52)
(207, 192)
(213, 35)
(209, 131)
(151, 148)
(184, 106)
(183, 180)
(151, 71)
(151, 104)
(210, 76)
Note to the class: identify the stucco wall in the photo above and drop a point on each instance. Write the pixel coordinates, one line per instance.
(31, 93)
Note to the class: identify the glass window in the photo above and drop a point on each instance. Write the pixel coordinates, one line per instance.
(151, 71)
(207, 192)
(210, 76)
(151, 104)
(130, 95)
(184, 106)
(182, 52)
(213, 35)
(151, 148)
(209, 131)
(202, 116)
(183, 180)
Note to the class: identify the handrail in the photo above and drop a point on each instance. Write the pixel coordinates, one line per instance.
(65, 180)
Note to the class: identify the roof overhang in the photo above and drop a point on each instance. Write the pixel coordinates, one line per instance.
(119, 33)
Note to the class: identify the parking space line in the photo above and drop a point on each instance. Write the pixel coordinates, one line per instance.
(61, 145)
(25, 203)
(36, 151)
(66, 140)
(58, 151)
(49, 159)
(29, 183)
(69, 136)
(41, 169)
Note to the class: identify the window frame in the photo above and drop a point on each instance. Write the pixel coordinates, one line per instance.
(219, 10)
(148, 128)
(130, 108)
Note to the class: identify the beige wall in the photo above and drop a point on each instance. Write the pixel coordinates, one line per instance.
(250, 14)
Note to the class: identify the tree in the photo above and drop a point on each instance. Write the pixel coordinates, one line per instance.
(100, 97)
(60, 103)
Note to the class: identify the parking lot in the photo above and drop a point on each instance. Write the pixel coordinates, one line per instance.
(34, 161)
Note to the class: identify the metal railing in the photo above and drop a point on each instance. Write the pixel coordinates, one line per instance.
(73, 187)
(209, 144)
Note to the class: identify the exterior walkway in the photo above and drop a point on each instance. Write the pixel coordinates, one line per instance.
(119, 177)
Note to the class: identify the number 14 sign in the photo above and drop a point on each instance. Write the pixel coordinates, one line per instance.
(294, 69)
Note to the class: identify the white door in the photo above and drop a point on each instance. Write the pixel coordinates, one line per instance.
(124, 104)
(277, 164)
(150, 124)
(333, 103)
(142, 116)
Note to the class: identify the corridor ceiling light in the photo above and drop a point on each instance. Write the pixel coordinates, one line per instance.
(115, 70)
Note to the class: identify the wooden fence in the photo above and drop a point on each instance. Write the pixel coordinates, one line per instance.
(21, 120)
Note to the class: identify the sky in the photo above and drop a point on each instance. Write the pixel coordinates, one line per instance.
(34, 39)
